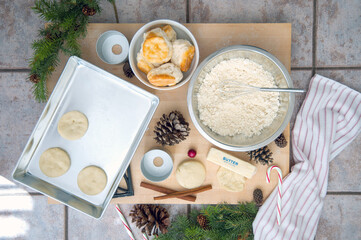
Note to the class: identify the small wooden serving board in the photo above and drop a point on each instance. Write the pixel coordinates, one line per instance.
(273, 37)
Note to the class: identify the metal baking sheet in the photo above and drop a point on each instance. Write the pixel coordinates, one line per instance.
(118, 114)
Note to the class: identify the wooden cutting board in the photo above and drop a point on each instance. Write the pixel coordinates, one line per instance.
(273, 37)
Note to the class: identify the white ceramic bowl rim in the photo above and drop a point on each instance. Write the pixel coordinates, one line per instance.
(123, 42)
(156, 173)
(267, 140)
(140, 33)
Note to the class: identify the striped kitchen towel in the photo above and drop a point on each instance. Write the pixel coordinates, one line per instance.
(329, 119)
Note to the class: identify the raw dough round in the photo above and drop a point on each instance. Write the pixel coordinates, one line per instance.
(191, 174)
(230, 181)
(73, 125)
(92, 180)
(54, 162)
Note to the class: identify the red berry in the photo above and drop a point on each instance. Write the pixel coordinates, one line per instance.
(192, 153)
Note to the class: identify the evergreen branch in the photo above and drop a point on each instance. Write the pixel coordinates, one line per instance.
(68, 22)
(225, 222)
(194, 233)
(40, 90)
(48, 10)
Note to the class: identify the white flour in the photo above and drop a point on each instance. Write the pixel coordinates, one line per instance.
(247, 114)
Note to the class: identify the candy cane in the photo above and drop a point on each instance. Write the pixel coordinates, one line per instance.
(125, 223)
(279, 200)
(145, 237)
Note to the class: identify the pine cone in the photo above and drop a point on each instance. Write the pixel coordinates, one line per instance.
(53, 36)
(34, 78)
(261, 155)
(203, 221)
(87, 11)
(258, 196)
(77, 26)
(49, 36)
(171, 129)
(127, 70)
(281, 141)
(152, 219)
(243, 238)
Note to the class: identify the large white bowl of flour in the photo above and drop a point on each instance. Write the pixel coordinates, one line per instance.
(241, 123)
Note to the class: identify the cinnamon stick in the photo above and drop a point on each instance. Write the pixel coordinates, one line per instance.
(184, 193)
(167, 191)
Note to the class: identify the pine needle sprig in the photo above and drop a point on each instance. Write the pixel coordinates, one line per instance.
(176, 231)
(225, 222)
(66, 24)
(46, 9)
(194, 233)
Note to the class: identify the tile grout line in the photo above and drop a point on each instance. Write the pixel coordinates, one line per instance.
(115, 11)
(314, 37)
(343, 193)
(36, 194)
(339, 68)
(66, 235)
(15, 70)
(21, 194)
(187, 11)
(301, 68)
(327, 68)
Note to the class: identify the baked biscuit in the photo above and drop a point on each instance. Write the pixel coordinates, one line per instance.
(143, 65)
(156, 48)
(171, 34)
(183, 53)
(166, 75)
(155, 32)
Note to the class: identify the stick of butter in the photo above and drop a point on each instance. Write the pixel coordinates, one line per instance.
(232, 163)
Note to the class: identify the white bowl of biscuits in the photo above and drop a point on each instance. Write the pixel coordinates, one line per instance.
(163, 54)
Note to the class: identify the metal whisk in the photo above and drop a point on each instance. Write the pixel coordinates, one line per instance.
(231, 88)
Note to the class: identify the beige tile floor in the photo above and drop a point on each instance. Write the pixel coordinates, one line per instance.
(326, 40)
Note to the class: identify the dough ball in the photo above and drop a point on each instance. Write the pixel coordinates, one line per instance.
(54, 162)
(92, 180)
(191, 174)
(183, 53)
(230, 181)
(166, 75)
(73, 125)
